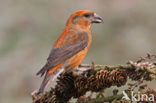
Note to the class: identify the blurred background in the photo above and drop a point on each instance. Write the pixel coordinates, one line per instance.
(28, 29)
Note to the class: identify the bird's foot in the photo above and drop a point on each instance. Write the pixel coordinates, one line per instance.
(85, 70)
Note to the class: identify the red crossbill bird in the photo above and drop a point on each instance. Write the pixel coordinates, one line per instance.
(71, 46)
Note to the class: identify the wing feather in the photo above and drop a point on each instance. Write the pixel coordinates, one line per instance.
(60, 54)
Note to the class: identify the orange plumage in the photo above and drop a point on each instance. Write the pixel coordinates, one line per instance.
(71, 47)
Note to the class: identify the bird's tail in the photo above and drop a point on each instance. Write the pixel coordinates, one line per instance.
(49, 77)
(45, 83)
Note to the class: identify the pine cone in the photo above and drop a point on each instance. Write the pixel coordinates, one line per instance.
(65, 87)
(118, 77)
(80, 86)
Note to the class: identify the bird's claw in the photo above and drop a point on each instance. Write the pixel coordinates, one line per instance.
(86, 70)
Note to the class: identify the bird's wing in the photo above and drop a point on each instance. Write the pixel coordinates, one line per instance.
(60, 54)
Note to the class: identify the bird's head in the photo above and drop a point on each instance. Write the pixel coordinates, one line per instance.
(83, 19)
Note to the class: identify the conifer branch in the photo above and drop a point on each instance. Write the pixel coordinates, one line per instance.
(100, 77)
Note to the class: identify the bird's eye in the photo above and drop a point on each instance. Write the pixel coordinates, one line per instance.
(87, 15)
